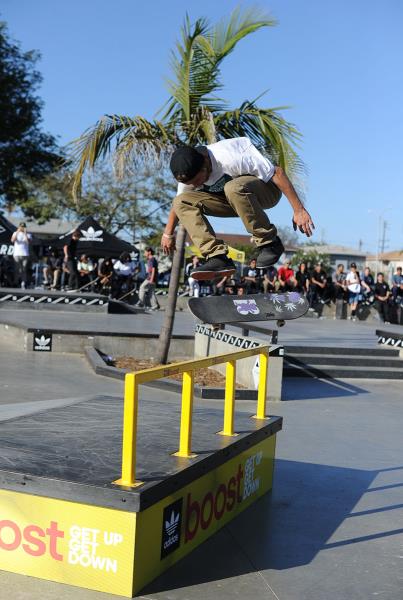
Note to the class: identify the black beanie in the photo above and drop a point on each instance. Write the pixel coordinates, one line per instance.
(185, 163)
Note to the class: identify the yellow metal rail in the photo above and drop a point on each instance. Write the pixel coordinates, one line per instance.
(133, 380)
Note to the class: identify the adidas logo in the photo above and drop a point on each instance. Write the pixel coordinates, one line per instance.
(42, 341)
(170, 526)
(91, 235)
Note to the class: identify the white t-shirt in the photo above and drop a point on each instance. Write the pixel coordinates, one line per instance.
(233, 158)
(21, 244)
(351, 282)
(124, 268)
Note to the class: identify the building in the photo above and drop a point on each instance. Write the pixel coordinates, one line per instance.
(339, 255)
(387, 263)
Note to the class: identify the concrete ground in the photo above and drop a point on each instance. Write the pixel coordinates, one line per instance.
(304, 331)
(332, 527)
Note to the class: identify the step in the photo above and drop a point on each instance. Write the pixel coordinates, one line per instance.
(353, 361)
(330, 372)
(340, 350)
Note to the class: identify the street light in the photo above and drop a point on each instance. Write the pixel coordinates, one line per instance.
(379, 228)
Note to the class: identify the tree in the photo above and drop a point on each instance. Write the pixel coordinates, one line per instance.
(311, 257)
(193, 114)
(135, 204)
(25, 151)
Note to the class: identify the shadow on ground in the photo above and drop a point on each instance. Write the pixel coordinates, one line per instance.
(295, 388)
(281, 531)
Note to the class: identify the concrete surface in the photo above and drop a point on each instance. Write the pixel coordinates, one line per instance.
(333, 526)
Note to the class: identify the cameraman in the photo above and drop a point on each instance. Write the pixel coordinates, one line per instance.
(21, 240)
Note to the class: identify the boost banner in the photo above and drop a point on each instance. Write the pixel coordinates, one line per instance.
(63, 541)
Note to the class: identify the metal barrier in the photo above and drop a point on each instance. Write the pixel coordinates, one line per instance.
(133, 380)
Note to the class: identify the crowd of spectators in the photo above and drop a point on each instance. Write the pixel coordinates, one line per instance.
(70, 271)
(319, 286)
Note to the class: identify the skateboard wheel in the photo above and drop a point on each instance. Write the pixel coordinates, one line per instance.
(280, 323)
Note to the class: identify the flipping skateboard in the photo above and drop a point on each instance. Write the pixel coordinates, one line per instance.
(217, 310)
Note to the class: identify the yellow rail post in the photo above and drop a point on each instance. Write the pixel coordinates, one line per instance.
(185, 438)
(129, 433)
(229, 402)
(133, 380)
(262, 389)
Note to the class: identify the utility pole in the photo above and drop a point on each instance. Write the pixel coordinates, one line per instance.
(383, 241)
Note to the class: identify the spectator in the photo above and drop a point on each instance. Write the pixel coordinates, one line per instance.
(367, 282)
(251, 278)
(382, 293)
(53, 270)
(105, 273)
(286, 277)
(302, 279)
(218, 287)
(317, 286)
(354, 289)
(270, 281)
(6, 271)
(21, 240)
(148, 285)
(123, 271)
(339, 283)
(397, 282)
(70, 252)
(85, 268)
(194, 286)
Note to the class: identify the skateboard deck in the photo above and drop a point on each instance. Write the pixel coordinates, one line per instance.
(256, 307)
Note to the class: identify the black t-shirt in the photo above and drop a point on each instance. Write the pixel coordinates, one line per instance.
(301, 278)
(105, 268)
(72, 248)
(321, 277)
(381, 289)
(369, 280)
(250, 272)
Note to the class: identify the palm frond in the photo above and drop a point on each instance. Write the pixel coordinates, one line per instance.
(267, 130)
(196, 62)
(121, 133)
(223, 38)
(183, 65)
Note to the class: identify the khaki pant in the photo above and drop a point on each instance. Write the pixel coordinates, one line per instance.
(246, 197)
(148, 288)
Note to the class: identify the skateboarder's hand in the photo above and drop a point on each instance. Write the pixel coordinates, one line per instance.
(302, 220)
(168, 244)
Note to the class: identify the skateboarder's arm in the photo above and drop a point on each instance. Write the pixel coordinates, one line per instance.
(168, 237)
(301, 218)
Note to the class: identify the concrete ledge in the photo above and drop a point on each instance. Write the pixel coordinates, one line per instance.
(100, 367)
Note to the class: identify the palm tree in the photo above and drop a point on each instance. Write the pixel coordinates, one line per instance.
(193, 115)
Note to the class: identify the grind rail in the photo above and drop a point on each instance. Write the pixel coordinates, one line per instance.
(187, 368)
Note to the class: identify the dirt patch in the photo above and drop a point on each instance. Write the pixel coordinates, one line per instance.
(206, 377)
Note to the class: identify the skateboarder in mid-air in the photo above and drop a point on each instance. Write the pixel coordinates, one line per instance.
(227, 179)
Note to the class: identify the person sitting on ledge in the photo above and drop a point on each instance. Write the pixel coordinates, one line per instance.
(229, 178)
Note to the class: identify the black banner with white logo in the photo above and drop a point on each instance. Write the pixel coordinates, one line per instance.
(171, 528)
(42, 341)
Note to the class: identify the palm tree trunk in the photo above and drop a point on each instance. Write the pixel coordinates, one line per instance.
(167, 326)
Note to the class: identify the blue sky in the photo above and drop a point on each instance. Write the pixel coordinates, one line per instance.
(336, 64)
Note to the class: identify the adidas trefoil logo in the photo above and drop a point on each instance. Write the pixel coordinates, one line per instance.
(91, 235)
(170, 526)
(42, 342)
